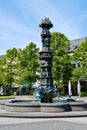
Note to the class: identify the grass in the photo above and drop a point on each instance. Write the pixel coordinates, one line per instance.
(6, 97)
(13, 96)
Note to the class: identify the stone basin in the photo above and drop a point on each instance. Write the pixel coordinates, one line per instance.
(36, 106)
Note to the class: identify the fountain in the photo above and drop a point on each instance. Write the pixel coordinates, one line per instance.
(47, 90)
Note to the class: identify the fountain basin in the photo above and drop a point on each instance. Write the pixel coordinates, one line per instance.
(54, 107)
(23, 106)
(78, 106)
(35, 106)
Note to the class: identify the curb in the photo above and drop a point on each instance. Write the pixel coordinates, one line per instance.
(44, 115)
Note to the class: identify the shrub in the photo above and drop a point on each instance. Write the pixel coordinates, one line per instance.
(83, 94)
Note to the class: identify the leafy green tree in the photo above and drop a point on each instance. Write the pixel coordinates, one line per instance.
(1, 70)
(9, 67)
(61, 60)
(76, 74)
(80, 57)
(29, 65)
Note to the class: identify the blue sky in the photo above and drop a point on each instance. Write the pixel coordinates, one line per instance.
(19, 20)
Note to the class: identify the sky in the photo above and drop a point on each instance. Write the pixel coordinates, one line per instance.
(20, 19)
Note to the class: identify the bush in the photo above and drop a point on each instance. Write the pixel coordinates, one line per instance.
(83, 94)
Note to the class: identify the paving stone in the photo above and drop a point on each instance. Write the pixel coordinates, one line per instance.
(45, 125)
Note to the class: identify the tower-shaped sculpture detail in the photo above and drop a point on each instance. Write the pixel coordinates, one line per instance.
(45, 57)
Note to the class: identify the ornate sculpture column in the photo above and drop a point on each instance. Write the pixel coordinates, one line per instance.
(45, 57)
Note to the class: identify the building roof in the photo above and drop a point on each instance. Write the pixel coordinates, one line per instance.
(75, 43)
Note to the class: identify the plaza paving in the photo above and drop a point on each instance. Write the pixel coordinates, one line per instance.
(43, 124)
(61, 123)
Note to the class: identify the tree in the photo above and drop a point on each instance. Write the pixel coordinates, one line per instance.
(9, 67)
(1, 72)
(80, 57)
(29, 65)
(61, 60)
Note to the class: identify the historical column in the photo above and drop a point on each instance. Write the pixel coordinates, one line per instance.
(45, 57)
